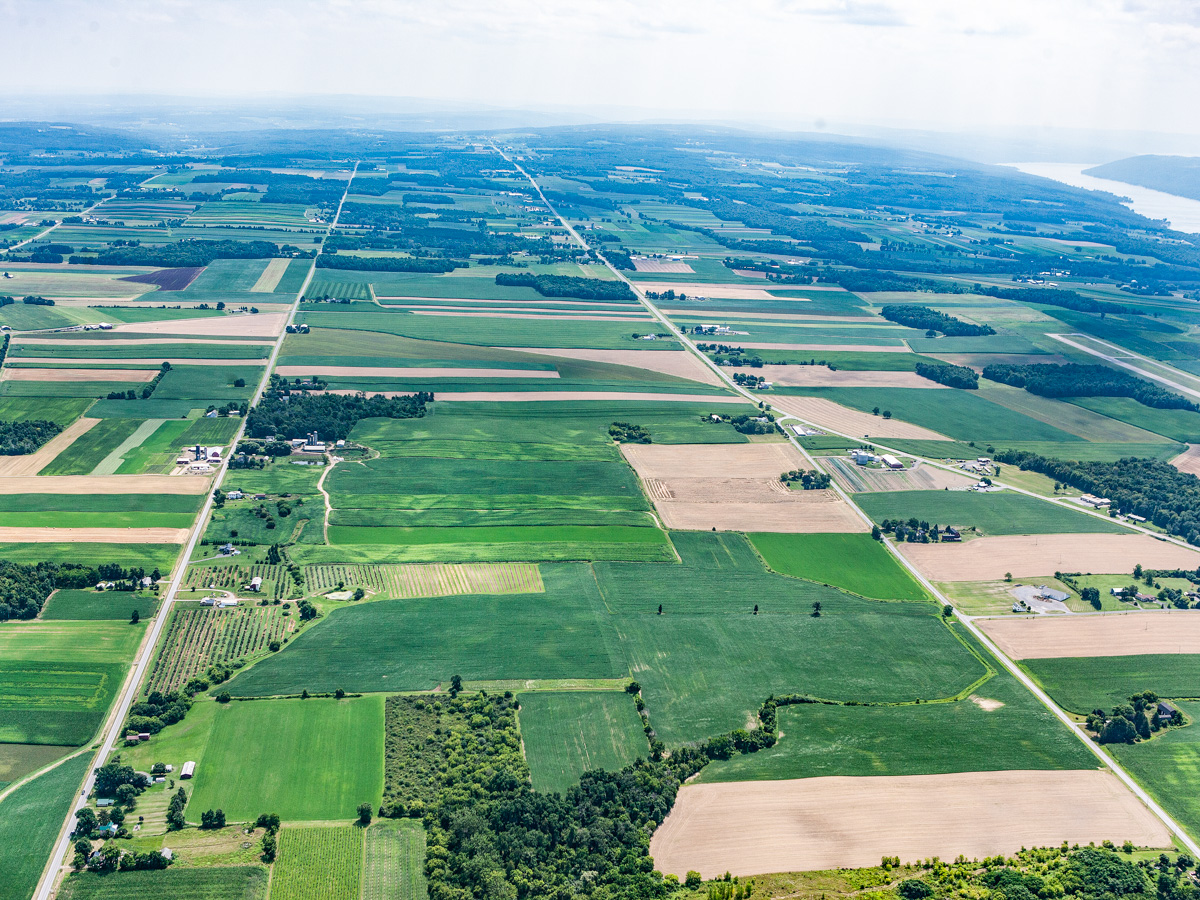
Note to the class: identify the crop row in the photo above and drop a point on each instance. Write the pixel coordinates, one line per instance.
(235, 578)
(430, 580)
(198, 637)
(318, 864)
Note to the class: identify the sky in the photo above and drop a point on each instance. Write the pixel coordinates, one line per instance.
(952, 65)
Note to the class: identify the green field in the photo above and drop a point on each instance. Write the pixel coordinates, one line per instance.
(30, 819)
(574, 534)
(178, 743)
(854, 562)
(1177, 424)
(57, 679)
(705, 664)
(1168, 766)
(567, 734)
(319, 864)
(394, 861)
(61, 411)
(147, 556)
(1082, 684)
(18, 760)
(1003, 512)
(218, 883)
(86, 604)
(929, 739)
(258, 753)
(91, 447)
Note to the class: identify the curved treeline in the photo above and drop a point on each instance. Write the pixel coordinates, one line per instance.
(1146, 487)
(927, 319)
(1075, 380)
(568, 286)
(949, 375)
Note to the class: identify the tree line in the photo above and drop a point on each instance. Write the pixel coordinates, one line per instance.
(181, 255)
(950, 375)
(290, 414)
(1075, 380)
(927, 319)
(568, 286)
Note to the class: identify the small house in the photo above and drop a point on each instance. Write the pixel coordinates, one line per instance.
(1166, 711)
(211, 414)
(104, 801)
(188, 770)
(207, 601)
(950, 533)
(106, 326)
(260, 496)
(235, 495)
(256, 583)
(147, 581)
(225, 602)
(340, 444)
(143, 735)
(226, 549)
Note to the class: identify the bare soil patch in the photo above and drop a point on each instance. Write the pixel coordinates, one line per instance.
(987, 704)
(695, 289)
(664, 265)
(836, 417)
(93, 535)
(679, 363)
(1131, 633)
(415, 372)
(821, 376)
(169, 279)
(1032, 556)
(32, 374)
(754, 828)
(1188, 460)
(103, 484)
(269, 279)
(735, 487)
(32, 463)
(260, 325)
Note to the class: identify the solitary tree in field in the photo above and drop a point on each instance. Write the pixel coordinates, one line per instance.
(364, 814)
(756, 609)
(455, 685)
(816, 613)
(660, 609)
(135, 618)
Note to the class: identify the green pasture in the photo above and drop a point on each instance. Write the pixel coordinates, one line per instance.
(18, 760)
(850, 360)
(567, 734)
(958, 414)
(208, 384)
(53, 389)
(991, 343)
(70, 604)
(1068, 416)
(241, 212)
(165, 504)
(62, 411)
(210, 883)
(147, 556)
(238, 521)
(522, 534)
(1168, 766)
(781, 301)
(1002, 512)
(833, 334)
(854, 562)
(1082, 684)
(925, 739)
(705, 664)
(259, 752)
(462, 517)
(91, 447)
(394, 861)
(30, 819)
(158, 450)
(1176, 424)
(178, 743)
(413, 284)
(228, 275)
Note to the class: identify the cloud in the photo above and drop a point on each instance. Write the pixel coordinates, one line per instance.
(848, 12)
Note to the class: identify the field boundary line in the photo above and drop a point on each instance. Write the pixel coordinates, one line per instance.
(1011, 666)
(55, 865)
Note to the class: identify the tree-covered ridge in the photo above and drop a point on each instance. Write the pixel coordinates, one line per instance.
(290, 414)
(19, 438)
(568, 286)
(931, 320)
(1146, 487)
(949, 375)
(1075, 380)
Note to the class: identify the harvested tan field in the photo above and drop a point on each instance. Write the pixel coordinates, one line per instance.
(821, 376)
(32, 463)
(920, 477)
(513, 311)
(671, 461)
(496, 304)
(30, 374)
(788, 318)
(828, 414)
(535, 396)
(269, 279)
(504, 314)
(414, 372)
(755, 828)
(261, 325)
(155, 361)
(1128, 634)
(128, 342)
(668, 266)
(1188, 460)
(751, 273)
(667, 362)
(735, 487)
(692, 289)
(1033, 556)
(823, 348)
(104, 484)
(93, 535)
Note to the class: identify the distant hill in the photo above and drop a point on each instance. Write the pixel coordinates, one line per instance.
(1179, 175)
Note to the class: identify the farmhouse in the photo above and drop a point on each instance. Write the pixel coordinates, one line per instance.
(235, 495)
(188, 770)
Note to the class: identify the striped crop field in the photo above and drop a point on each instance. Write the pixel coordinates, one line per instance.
(318, 864)
(199, 636)
(432, 580)
(395, 861)
(276, 584)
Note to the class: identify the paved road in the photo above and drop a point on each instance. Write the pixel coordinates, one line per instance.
(57, 863)
(1004, 660)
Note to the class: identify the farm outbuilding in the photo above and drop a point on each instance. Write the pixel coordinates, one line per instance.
(188, 770)
(256, 583)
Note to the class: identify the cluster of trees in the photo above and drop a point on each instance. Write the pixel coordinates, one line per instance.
(37, 301)
(182, 254)
(147, 389)
(1146, 487)
(1075, 380)
(619, 259)
(810, 479)
(24, 589)
(950, 375)
(745, 379)
(751, 425)
(912, 530)
(332, 416)
(265, 448)
(212, 818)
(1056, 297)
(19, 438)
(432, 264)
(1133, 721)
(159, 709)
(568, 286)
(725, 355)
(627, 433)
(931, 320)
(175, 819)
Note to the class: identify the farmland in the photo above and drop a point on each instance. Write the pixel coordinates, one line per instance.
(1005, 512)
(318, 864)
(1082, 684)
(394, 865)
(89, 604)
(568, 734)
(257, 752)
(232, 883)
(853, 562)
(1167, 765)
